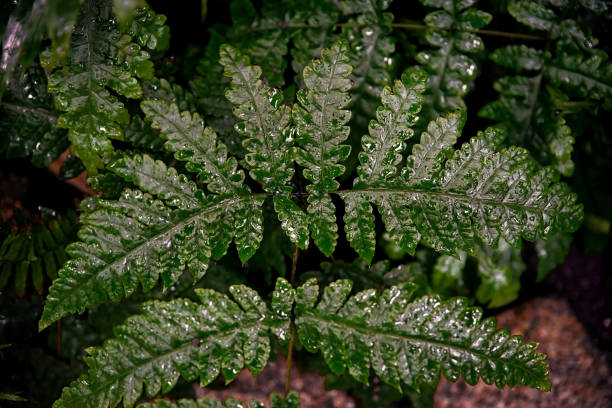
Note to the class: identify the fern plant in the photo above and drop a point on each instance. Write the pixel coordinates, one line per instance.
(247, 170)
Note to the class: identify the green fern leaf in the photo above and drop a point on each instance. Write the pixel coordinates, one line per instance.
(525, 111)
(99, 59)
(588, 77)
(137, 239)
(181, 338)
(197, 145)
(456, 199)
(309, 42)
(276, 401)
(265, 124)
(450, 69)
(383, 145)
(28, 119)
(410, 342)
(149, 30)
(320, 129)
(533, 14)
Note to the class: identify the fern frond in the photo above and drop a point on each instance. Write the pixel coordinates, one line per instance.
(263, 120)
(276, 401)
(455, 199)
(100, 59)
(138, 238)
(196, 144)
(383, 145)
(28, 119)
(410, 342)
(36, 252)
(149, 30)
(308, 42)
(451, 70)
(320, 120)
(265, 124)
(181, 338)
(371, 56)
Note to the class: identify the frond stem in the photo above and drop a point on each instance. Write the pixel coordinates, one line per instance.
(292, 336)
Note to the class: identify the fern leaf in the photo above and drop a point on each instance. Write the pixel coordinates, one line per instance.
(276, 401)
(264, 122)
(371, 57)
(197, 145)
(525, 111)
(149, 30)
(410, 342)
(320, 129)
(589, 77)
(138, 238)
(181, 338)
(309, 42)
(533, 14)
(99, 59)
(450, 69)
(383, 145)
(458, 198)
(28, 119)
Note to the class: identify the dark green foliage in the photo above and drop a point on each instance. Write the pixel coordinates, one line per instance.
(28, 120)
(451, 71)
(36, 252)
(528, 106)
(216, 191)
(410, 342)
(100, 59)
(185, 339)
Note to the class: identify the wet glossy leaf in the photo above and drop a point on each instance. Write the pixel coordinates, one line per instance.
(158, 231)
(500, 272)
(100, 59)
(409, 341)
(263, 122)
(180, 338)
(320, 120)
(28, 119)
(451, 71)
(383, 145)
(455, 199)
(196, 144)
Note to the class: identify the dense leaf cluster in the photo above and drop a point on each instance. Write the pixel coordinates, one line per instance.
(245, 169)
